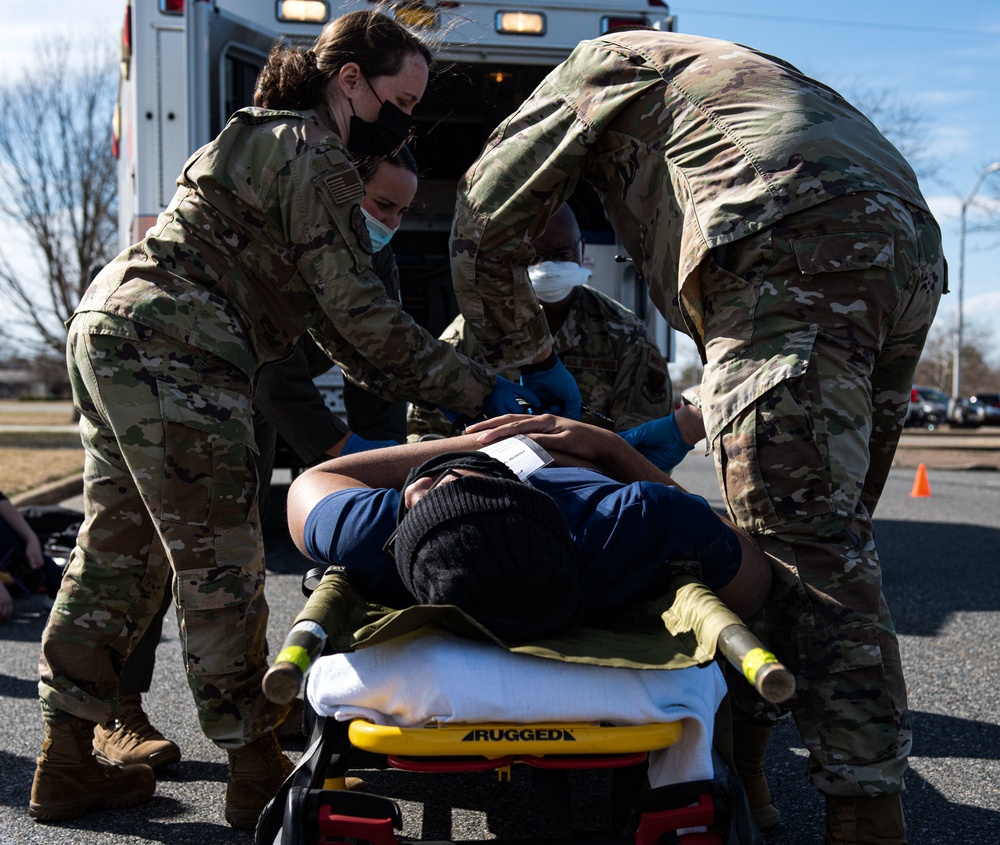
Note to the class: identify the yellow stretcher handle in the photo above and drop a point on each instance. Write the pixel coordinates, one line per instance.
(501, 739)
(760, 667)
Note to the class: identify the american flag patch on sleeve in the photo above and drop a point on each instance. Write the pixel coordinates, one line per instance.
(345, 186)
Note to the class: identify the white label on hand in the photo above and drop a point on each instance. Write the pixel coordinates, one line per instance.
(521, 455)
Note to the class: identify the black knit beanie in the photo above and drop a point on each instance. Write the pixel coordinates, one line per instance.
(496, 548)
(478, 462)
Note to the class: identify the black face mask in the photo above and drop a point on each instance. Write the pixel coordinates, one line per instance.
(386, 135)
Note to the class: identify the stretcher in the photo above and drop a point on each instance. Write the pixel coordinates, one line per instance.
(691, 798)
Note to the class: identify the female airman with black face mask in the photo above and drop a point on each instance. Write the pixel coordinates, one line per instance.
(263, 241)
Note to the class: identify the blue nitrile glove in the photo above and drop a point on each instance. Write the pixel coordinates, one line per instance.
(659, 441)
(356, 443)
(503, 399)
(554, 385)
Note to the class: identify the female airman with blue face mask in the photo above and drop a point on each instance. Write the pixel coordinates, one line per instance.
(390, 185)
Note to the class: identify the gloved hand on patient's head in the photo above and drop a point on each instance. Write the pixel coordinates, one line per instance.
(505, 398)
(508, 398)
(494, 547)
(555, 387)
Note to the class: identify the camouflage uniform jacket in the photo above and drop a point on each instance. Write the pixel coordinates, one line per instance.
(620, 372)
(289, 400)
(265, 240)
(691, 143)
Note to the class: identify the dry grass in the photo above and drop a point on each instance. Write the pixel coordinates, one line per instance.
(29, 459)
(37, 416)
(26, 469)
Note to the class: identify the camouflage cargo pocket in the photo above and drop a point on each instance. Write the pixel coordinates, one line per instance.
(213, 608)
(761, 419)
(208, 469)
(846, 694)
(840, 252)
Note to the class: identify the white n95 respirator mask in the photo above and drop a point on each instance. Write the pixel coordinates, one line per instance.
(555, 280)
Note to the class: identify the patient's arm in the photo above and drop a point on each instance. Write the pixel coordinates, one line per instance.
(375, 468)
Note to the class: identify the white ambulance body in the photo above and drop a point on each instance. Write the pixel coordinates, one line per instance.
(187, 65)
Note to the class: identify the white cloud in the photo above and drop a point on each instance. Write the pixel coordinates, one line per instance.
(986, 306)
(27, 24)
(944, 207)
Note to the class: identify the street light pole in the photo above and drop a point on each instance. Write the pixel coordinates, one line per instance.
(956, 373)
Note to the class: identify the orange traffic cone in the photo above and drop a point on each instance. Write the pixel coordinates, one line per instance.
(921, 486)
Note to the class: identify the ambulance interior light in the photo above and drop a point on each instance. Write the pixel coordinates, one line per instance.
(417, 14)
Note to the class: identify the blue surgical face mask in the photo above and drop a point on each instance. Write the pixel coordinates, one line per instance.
(379, 233)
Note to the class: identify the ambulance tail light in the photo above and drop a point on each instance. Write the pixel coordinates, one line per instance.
(172, 7)
(619, 22)
(126, 55)
(303, 11)
(519, 23)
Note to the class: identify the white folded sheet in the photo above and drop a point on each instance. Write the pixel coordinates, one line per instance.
(439, 677)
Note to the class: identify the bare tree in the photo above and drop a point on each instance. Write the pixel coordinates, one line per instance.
(58, 184)
(902, 123)
(980, 369)
(988, 205)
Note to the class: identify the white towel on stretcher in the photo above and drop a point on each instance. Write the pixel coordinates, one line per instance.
(439, 677)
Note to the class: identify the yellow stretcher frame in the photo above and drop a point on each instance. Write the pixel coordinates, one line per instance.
(505, 739)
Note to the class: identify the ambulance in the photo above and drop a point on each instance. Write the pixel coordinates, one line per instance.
(187, 65)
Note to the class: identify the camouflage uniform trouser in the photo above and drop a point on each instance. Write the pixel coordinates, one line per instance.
(169, 482)
(813, 332)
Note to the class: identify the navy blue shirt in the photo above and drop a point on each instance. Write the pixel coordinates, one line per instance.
(625, 536)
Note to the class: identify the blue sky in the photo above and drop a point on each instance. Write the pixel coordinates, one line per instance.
(941, 59)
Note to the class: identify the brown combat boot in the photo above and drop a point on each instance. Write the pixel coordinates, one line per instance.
(255, 773)
(69, 780)
(749, 746)
(132, 739)
(857, 820)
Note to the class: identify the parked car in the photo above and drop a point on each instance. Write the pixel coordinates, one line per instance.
(983, 409)
(928, 408)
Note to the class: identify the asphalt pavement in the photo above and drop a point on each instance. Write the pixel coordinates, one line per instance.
(942, 581)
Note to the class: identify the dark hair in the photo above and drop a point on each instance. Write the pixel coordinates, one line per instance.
(293, 78)
(402, 158)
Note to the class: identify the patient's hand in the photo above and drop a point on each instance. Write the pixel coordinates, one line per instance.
(578, 443)
(585, 444)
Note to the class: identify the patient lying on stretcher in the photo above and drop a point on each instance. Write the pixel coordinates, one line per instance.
(596, 530)
(441, 522)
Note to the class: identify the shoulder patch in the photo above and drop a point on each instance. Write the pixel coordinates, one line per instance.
(345, 185)
(253, 115)
(360, 228)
